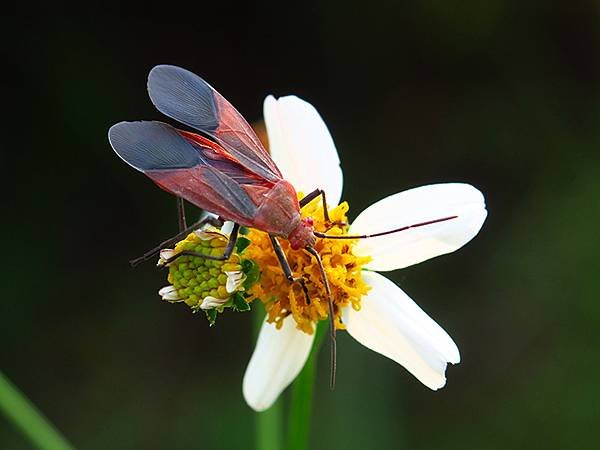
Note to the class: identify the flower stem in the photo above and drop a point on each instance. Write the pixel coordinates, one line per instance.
(302, 392)
(269, 423)
(26, 417)
(268, 428)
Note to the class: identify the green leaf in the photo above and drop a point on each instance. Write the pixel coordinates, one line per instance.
(28, 419)
(252, 271)
(211, 315)
(244, 231)
(241, 244)
(239, 303)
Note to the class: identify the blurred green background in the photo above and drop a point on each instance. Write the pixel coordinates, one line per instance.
(501, 94)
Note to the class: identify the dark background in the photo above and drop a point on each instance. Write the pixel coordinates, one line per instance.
(501, 94)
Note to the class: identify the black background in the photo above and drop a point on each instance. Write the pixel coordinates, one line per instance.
(504, 95)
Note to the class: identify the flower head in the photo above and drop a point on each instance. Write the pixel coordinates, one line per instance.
(373, 310)
(342, 268)
(205, 284)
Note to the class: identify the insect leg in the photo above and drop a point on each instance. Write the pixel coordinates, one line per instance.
(150, 253)
(310, 197)
(314, 194)
(287, 270)
(226, 253)
(181, 214)
(333, 354)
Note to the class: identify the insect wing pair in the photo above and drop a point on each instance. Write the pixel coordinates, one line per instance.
(231, 174)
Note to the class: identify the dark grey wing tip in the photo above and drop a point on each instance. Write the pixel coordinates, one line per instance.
(148, 145)
(119, 139)
(184, 96)
(161, 72)
(158, 74)
(164, 78)
(161, 69)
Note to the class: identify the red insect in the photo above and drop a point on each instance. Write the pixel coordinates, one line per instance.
(228, 172)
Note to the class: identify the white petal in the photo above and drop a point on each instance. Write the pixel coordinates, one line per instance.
(277, 359)
(209, 232)
(212, 302)
(166, 290)
(164, 255)
(392, 324)
(235, 279)
(169, 294)
(414, 206)
(302, 147)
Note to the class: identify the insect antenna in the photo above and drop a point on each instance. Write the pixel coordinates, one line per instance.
(333, 353)
(383, 233)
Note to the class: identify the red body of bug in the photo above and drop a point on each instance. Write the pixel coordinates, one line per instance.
(230, 174)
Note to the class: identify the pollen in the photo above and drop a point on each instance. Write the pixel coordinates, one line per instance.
(342, 268)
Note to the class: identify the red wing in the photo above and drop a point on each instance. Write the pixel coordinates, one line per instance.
(219, 159)
(191, 167)
(209, 190)
(187, 98)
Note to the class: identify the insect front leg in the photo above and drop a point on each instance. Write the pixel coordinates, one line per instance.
(226, 253)
(314, 194)
(169, 242)
(287, 270)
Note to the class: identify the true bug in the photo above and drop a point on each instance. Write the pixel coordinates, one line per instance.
(226, 171)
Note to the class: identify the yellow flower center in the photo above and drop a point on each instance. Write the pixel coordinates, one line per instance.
(342, 268)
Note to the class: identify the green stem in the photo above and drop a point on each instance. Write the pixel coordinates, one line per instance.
(268, 428)
(27, 418)
(269, 423)
(302, 393)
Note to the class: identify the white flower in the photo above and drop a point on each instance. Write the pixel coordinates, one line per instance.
(389, 321)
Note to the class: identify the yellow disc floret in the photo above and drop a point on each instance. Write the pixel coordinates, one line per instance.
(343, 269)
